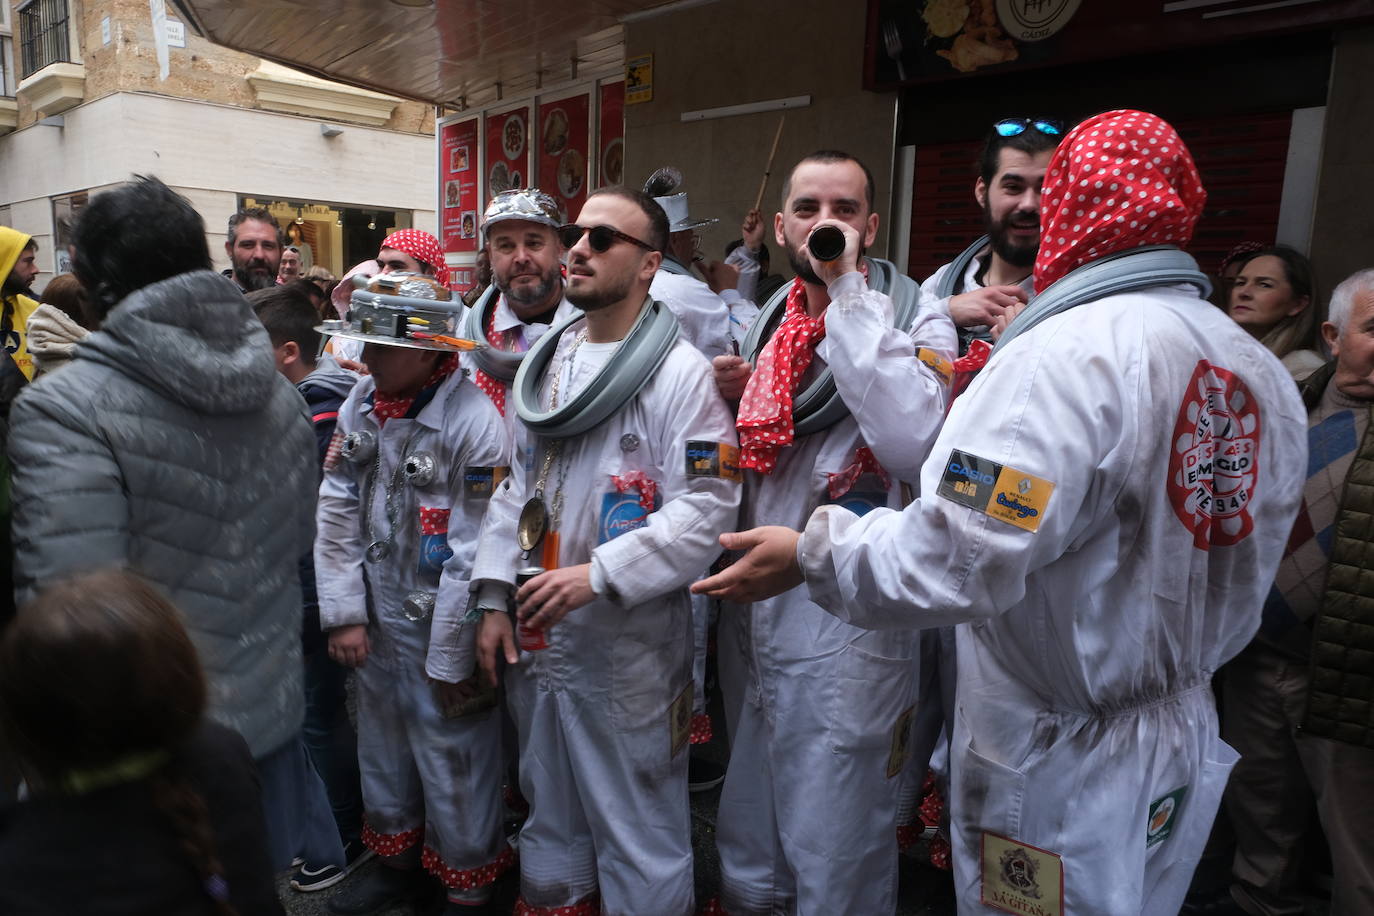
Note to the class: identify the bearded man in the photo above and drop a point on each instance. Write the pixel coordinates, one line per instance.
(991, 279)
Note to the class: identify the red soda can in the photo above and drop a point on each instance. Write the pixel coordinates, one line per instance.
(530, 640)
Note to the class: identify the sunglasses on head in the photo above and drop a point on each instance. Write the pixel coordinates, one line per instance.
(1012, 127)
(600, 238)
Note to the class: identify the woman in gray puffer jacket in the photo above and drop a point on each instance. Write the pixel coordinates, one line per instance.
(171, 446)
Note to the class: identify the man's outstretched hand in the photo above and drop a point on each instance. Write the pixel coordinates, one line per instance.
(768, 568)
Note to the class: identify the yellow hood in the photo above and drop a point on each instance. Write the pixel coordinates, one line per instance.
(12, 243)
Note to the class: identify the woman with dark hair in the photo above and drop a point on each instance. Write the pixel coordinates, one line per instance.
(1272, 299)
(136, 802)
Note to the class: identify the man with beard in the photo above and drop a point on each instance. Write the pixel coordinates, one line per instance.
(992, 278)
(1103, 511)
(19, 267)
(632, 476)
(254, 249)
(808, 814)
(526, 295)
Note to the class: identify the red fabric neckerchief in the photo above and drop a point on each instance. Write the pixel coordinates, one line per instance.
(765, 410)
(384, 408)
(967, 366)
(864, 463)
(1120, 180)
(494, 387)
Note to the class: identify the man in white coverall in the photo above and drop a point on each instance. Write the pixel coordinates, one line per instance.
(1104, 510)
(808, 814)
(634, 505)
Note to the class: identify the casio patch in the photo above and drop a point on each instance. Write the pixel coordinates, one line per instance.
(713, 459)
(482, 481)
(937, 363)
(1019, 878)
(1163, 816)
(998, 490)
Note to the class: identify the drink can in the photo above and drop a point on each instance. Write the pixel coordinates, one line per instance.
(530, 640)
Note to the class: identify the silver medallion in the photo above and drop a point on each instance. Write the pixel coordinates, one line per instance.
(417, 606)
(358, 447)
(378, 551)
(419, 469)
(534, 519)
(629, 442)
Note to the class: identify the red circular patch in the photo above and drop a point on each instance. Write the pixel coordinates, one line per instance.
(1214, 457)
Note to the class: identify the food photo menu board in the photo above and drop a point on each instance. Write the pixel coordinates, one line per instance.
(458, 171)
(611, 136)
(508, 151)
(563, 144)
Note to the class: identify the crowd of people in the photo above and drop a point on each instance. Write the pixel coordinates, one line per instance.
(309, 570)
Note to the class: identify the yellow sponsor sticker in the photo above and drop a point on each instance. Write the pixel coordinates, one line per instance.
(1022, 879)
(1020, 499)
(937, 363)
(680, 720)
(900, 751)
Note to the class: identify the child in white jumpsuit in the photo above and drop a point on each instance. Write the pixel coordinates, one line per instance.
(399, 512)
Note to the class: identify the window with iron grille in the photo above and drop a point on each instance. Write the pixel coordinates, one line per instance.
(42, 35)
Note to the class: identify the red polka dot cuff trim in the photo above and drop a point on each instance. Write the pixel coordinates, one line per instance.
(588, 907)
(390, 844)
(701, 729)
(466, 879)
(907, 835)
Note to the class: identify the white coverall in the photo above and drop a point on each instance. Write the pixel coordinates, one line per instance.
(708, 323)
(1064, 519)
(704, 316)
(807, 819)
(603, 713)
(422, 774)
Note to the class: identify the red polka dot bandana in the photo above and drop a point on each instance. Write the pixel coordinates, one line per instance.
(1118, 181)
(765, 410)
(386, 408)
(423, 247)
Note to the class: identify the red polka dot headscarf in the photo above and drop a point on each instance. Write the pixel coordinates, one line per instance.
(423, 247)
(1120, 180)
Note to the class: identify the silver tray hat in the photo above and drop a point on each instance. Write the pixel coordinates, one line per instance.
(401, 310)
(529, 204)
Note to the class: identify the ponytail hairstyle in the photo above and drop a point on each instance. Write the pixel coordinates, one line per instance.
(100, 685)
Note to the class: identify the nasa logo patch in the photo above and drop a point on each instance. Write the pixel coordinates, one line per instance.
(1214, 457)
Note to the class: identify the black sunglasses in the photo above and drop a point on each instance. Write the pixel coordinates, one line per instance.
(600, 238)
(1013, 127)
